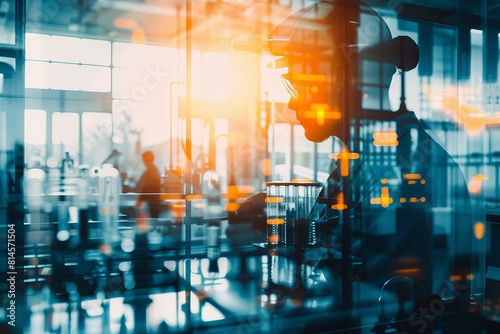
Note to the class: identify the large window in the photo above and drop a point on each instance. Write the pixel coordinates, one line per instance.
(65, 134)
(35, 137)
(64, 63)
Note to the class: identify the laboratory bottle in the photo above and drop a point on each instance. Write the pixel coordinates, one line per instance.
(108, 203)
(82, 202)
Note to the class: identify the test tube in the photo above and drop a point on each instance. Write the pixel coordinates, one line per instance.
(300, 216)
(290, 223)
(275, 214)
(213, 249)
(288, 208)
(108, 203)
(305, 231)
(312, 221)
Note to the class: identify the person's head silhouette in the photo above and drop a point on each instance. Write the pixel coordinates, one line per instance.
(148, 158)
(341, 58)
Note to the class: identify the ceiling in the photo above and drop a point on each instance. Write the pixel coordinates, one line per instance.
(215, 23)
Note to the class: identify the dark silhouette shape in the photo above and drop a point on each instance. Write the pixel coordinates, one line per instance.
(341, 59)
(149, 185)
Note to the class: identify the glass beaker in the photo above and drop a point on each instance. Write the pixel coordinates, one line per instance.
(288, 208)
(276, 213)
(304, 197)
(108, 201)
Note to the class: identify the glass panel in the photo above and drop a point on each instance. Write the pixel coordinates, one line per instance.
(65, 49)
(35, 136)
(95, 52)
(141, 56)
(7, 22)
(65, 135)
(144, 101)
(217, 79)
(64, 76)
(37, 74)
(96, 138)
(37, 46)
(95, 78)
(124, 80)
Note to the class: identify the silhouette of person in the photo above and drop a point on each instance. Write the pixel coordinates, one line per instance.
(403, 210)
(149, 185)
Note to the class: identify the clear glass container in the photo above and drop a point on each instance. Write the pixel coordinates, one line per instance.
(108, 202)
(288, 207)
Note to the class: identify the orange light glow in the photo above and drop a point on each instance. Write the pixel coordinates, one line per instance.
(480, 177)
(384, 181)
(479, 230)
(273, 199)
(138, 36)
(178, 210)
(476, 183)
(301, 180)
(105, 249)
(232, 192)
(306, 77)
(170, 196)
(320, 112)
(379, 142)
(344, 158)
(385, 138)
(385, 135)
(407, 271)
(320, 116)
(273, 238)
(413, 200)
(193, 197)
(384, 200)
(275, 221)
(475, 186)
(413, 176)
(471, 118)
(123, 23)
(340, 203)
(232, 207)
(266, 166)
